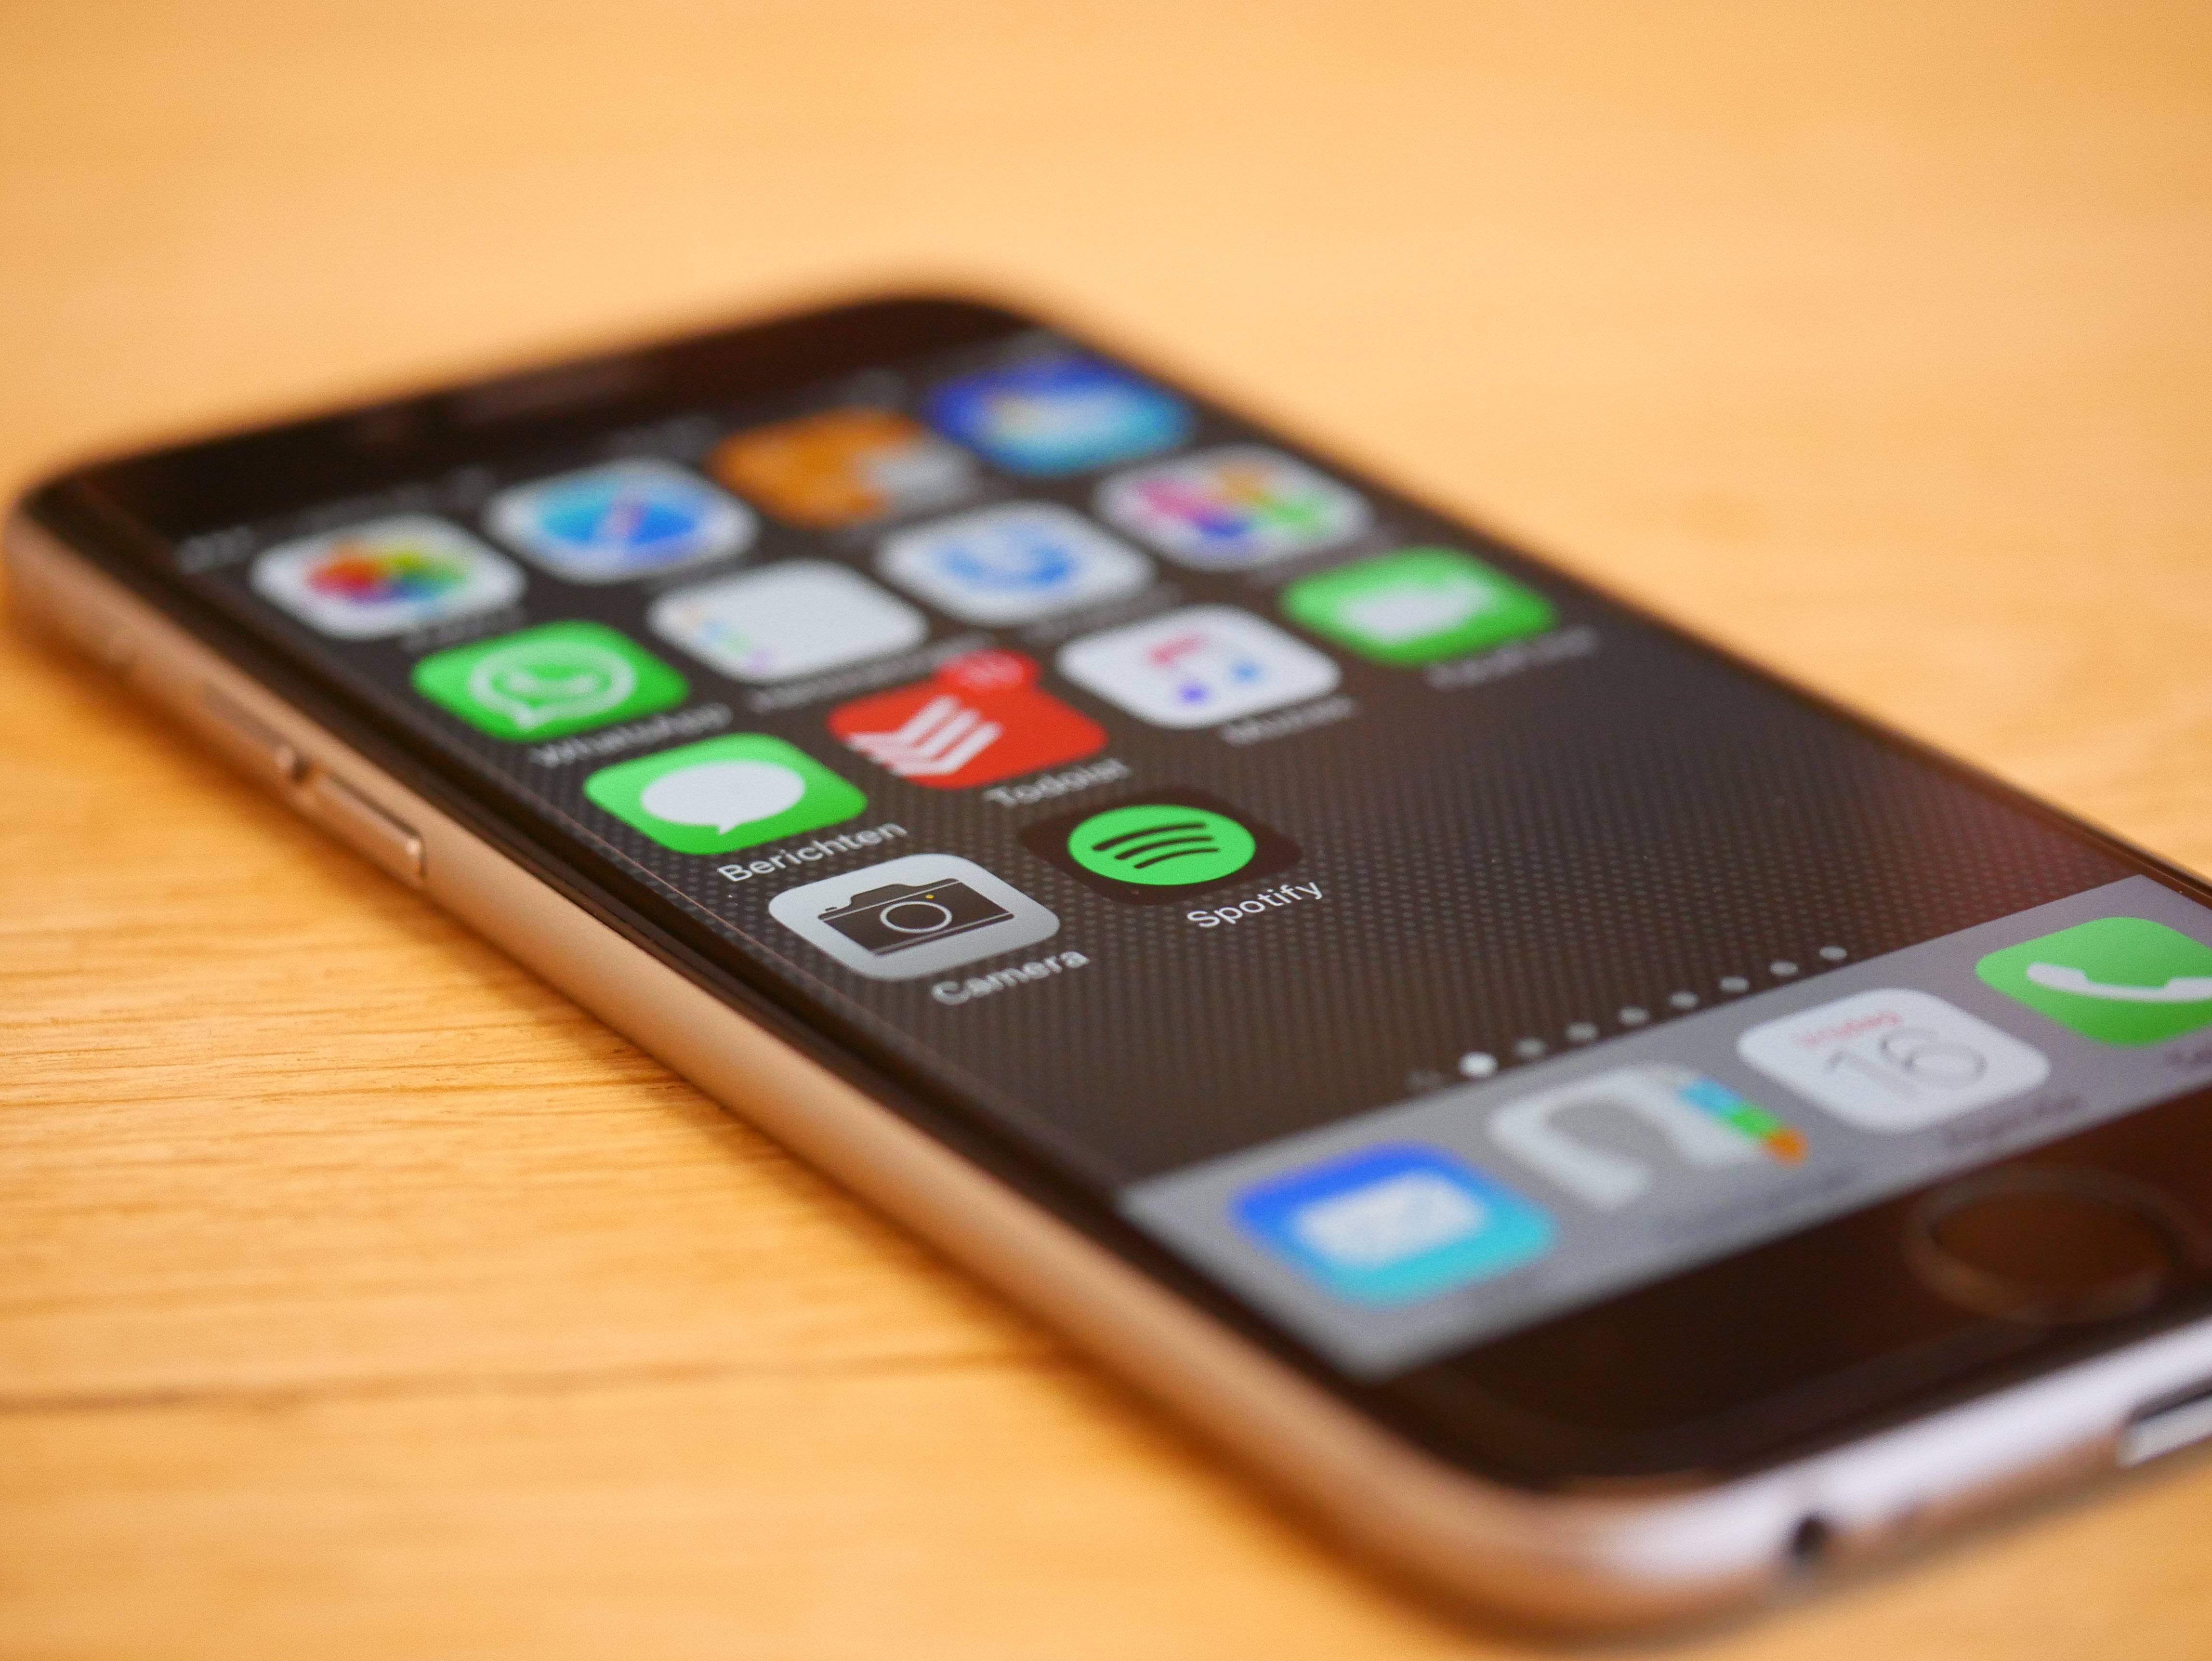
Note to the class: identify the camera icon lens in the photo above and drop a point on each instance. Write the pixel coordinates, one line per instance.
(893, 918)
(914, 917)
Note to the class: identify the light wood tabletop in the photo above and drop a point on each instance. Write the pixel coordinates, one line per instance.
(362, 1298)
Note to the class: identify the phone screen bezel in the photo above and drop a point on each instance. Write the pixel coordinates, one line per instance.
(1657, 1374)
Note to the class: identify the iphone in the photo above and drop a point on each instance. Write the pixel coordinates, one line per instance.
(1604, 1131)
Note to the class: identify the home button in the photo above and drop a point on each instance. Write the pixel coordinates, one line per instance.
(2048, 1244)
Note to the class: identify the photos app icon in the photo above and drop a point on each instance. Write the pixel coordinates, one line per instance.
(387, 577)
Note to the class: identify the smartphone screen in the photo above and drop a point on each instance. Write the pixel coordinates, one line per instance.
(1417, 946)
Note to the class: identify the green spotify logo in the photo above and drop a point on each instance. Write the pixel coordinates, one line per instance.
(1161, 846)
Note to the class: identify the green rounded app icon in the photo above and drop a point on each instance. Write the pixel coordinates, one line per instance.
(2118, 980)
(724, 794)
(1160, 845)
(1418, 605)
(543, 682)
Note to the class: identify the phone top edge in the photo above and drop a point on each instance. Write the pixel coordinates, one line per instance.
(181, 486)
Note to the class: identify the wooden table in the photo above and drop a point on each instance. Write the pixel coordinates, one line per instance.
(361, 1297)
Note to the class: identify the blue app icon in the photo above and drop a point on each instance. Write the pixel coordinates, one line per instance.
(1395, 1224)
(1058, 415)
(629, 519)
(1012, 562)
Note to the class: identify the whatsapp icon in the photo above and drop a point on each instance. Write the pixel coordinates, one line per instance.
(557, 678)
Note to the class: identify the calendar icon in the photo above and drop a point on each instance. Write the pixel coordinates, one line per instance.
(1894, 1060)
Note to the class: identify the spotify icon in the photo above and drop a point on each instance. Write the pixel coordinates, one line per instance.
(1161, 846)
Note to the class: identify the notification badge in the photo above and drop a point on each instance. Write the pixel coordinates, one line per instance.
(979, 719)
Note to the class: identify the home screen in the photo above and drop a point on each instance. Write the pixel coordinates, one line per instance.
(1418, 943)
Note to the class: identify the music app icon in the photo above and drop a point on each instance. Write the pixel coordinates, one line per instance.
(1197, 667)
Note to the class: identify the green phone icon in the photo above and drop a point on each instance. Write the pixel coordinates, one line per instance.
(724, 794)
(557, 678)
(2118, 980)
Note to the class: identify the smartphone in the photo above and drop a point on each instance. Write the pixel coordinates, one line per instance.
(1606, 1131)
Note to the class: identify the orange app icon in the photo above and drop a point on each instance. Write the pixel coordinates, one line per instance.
(843, 468)
(980, 719)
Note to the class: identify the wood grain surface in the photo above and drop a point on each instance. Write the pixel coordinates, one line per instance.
(359, 1297)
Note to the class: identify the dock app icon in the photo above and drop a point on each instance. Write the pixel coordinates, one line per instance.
(2118, 980)
(1893, 1058)
(1571, 1133)
(1395, 1224)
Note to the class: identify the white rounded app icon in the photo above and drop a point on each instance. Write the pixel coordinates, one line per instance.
(796, 617)
(627, 518)
(1198, 667)
(1894, 1060)
(1232, 508)
(1012, 562)
(387, 577)
(913, 916)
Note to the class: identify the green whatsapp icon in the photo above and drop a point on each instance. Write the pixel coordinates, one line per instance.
(557, 678)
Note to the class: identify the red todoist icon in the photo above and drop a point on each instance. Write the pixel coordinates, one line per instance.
(978, 720)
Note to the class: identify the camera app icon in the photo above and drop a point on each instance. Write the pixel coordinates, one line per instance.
(909, 917)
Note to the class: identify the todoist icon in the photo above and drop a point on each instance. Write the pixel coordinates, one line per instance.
(1564, 1133)
(980, 719)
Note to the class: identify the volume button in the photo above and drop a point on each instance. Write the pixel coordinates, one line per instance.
(357, 821)
(252, 740)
